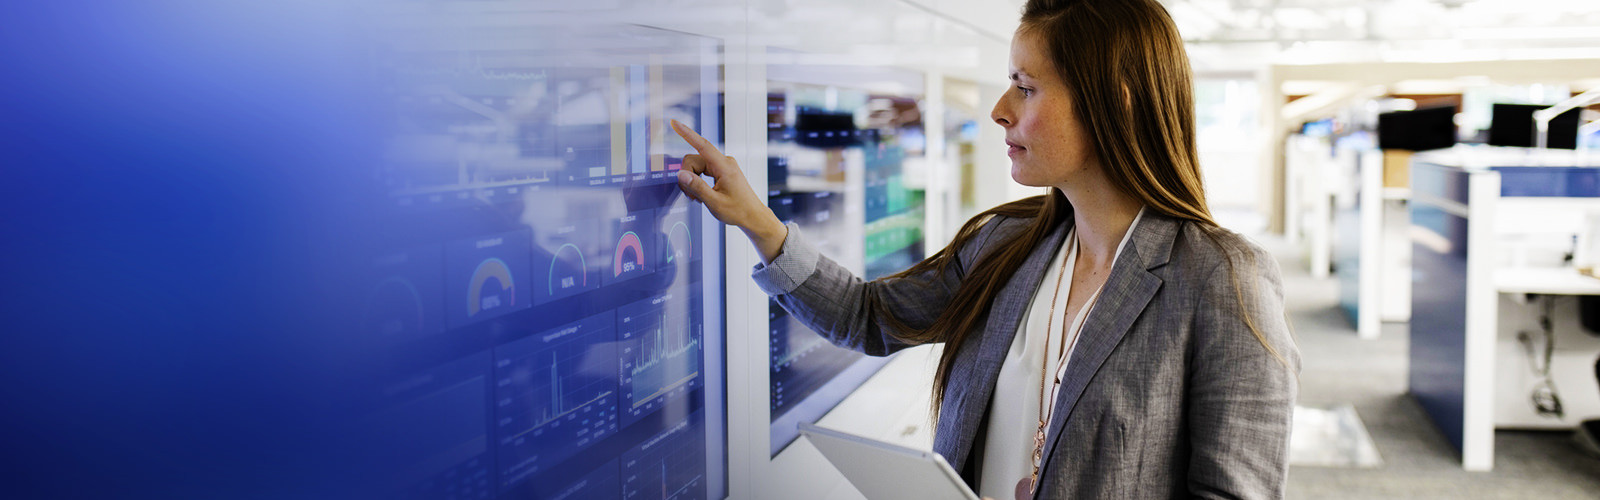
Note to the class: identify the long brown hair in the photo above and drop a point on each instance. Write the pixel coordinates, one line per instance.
(1129, 78)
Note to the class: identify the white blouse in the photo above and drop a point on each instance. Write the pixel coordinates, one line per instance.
(1014, 408)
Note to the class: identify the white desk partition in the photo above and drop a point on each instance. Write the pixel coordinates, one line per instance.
(1308, 199)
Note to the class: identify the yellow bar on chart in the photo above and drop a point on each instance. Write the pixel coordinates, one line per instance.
(657, 116)
(617, 102)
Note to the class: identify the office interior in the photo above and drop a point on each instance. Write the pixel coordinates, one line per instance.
(435, 249)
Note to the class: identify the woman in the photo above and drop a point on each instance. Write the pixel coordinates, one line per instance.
(1105, 340)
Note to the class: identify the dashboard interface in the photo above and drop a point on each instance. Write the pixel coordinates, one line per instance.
(541, 289)
(425, 248)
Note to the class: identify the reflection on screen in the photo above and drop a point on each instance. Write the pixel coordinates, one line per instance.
(828, 160)
(542, 289)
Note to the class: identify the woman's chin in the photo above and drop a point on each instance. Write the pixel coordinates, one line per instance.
(1022, 177)
(1017, 174)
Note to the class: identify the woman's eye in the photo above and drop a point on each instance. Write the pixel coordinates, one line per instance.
(1026, 92)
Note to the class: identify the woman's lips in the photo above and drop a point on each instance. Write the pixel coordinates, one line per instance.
(1014, 149)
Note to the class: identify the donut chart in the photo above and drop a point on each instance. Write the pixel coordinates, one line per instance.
(491, 272)
(628, 244)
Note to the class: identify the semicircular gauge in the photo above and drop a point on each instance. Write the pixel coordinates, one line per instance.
(394, 307)
(491, 272)
(682, 241)
(629, 255)
(579, 275)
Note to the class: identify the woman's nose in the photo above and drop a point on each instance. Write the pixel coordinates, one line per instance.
(999, 115)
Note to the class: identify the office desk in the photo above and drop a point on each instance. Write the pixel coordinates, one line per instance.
(1457, 295)
(1544, 280)
(1571, 365)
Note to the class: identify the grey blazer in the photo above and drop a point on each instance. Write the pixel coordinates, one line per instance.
(1168, 394)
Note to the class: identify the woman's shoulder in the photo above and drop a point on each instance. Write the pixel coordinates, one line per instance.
(998, 226)
(1204, 247)
(992, 230)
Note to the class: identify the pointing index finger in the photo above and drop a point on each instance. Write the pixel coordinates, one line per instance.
(700, 144)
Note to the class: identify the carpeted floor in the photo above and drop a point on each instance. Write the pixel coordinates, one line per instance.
(1417, 460)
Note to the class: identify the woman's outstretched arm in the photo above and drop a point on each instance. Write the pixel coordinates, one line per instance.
(851, 312)
(731, 200)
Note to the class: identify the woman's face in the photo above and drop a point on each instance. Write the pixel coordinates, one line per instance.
(1047, 143)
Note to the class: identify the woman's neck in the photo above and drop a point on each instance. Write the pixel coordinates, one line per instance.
(1101, 216)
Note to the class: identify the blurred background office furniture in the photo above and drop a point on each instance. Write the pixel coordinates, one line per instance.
(1495, 335)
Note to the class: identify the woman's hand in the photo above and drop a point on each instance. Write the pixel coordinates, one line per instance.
(731, 200)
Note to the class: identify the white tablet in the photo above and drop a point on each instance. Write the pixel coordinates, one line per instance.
(884, 471)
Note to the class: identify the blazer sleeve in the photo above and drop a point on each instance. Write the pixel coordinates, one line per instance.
(849, 311)
(1241, 397)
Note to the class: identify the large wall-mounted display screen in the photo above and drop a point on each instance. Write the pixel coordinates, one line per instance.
(836, 169)
(544, 284)
(405, 250)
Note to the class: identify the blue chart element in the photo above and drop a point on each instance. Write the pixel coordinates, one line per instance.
(668, 466)
(555, 395)
(484, 274)
(406, 300)
(563, 263)
(437, 429)
(660, 354)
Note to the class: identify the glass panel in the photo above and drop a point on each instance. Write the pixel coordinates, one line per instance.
(837, 150)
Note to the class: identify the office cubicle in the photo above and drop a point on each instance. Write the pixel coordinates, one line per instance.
(1495, 340)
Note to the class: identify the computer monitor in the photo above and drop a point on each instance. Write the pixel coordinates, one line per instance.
(1512, 125)
(1418, 130)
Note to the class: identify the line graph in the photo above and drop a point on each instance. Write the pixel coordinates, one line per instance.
(669, 358)
(802, 361)
(661, 355)
(796, 348)
(668, 466)
(558, 396)
(551, 398)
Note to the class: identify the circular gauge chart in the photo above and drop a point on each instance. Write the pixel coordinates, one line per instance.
(568, 270)
(681, 241)
(483, 274)
(629, 257)
(394, 308)
(491, 287)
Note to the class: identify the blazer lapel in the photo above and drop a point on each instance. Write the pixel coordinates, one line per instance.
(1122, 299)
(973, 382)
